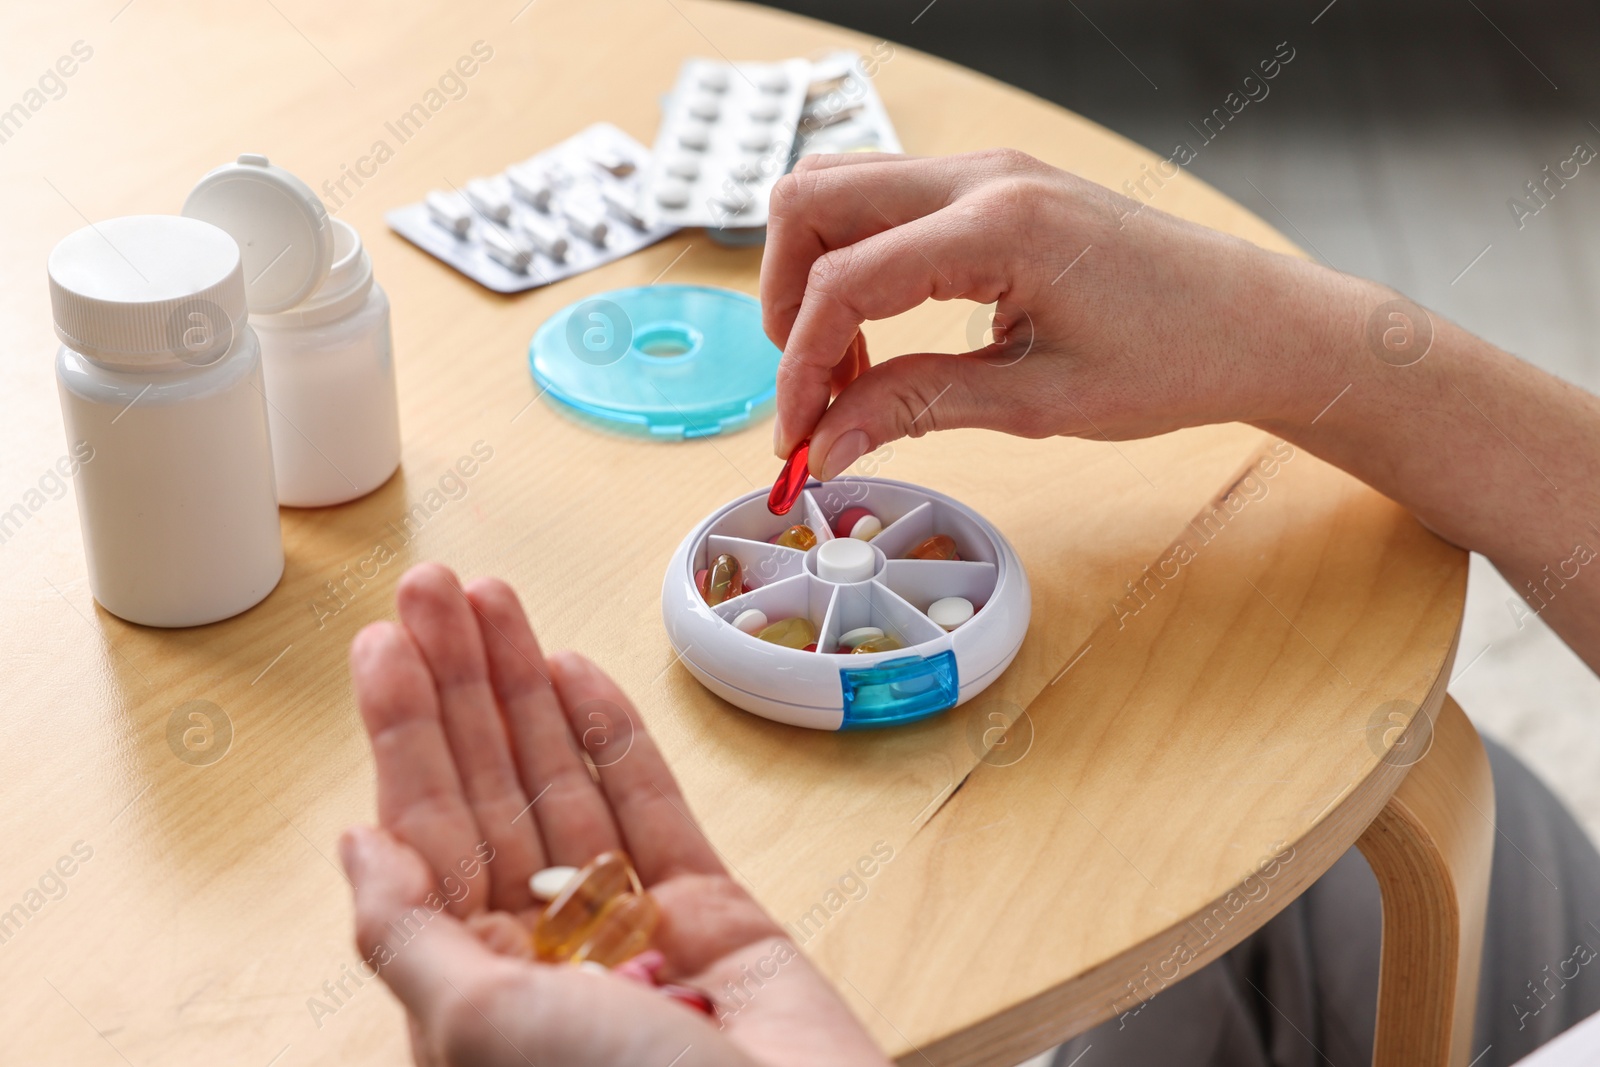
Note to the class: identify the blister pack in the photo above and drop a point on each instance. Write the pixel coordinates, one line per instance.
(566, 210)
(843, 112)
(725, 139)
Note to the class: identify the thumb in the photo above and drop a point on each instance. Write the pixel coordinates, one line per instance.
(907, 396)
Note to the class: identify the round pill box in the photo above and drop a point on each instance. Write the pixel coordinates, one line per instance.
(822, 690)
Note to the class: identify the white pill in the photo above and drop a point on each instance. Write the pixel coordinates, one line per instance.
(672, 194)
(491, 198)
(751, 621)
(623, 204)
(705, 108)
(734, 196)
(748, 170)
(844, 560)
(755, 140)
(530, 185)
(950, 612)
(587, 220)
(773, 81)
(449, 211)
(714, 79)
(765, 111)
(696, 137)
(612, 161)
(866, 527)
(547, 884)
(685, 167)
(852, 638)
(543, 235)
(505, 249)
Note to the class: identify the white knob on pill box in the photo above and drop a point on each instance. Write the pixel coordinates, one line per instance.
(844, 560)
(284, 236)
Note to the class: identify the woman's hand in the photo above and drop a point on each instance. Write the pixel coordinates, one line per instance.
(480, 746)
(1112, 321)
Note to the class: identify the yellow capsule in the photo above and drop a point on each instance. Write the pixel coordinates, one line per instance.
(791, 633)
(886, 643)
(939, 546)
(799, 536)
(621, 931)
(567, 921)
(725, 581)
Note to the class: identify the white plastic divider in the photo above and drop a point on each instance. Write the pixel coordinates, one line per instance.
(816, 518)
(752, 521)
(803, 594)
(763, 563)
(937, 517)
(922, 581)
(874, 604)
(887, 502)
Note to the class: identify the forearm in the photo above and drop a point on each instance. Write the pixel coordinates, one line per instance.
(1489, 452)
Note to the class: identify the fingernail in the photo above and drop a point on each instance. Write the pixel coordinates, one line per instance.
(777, 437)
(850, 446)
(352, 850)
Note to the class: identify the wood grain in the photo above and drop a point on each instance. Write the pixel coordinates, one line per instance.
(212, 918)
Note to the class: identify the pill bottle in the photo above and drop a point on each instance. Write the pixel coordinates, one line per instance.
(323, 323)
(160, 382)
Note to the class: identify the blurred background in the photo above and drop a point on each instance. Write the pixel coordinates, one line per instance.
(1390, 146)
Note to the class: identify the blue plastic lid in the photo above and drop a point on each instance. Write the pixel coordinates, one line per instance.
(662, 361)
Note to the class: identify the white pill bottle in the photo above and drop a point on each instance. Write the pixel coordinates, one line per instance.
(324, 328)
(160, 377)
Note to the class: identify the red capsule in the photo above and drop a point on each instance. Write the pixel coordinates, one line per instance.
(692, 998)
(792, 479)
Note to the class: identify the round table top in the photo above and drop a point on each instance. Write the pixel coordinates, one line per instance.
(1218, 620)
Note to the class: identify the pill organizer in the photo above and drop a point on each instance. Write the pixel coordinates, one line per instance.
(726, 135)
(566, 210)
(936, 670)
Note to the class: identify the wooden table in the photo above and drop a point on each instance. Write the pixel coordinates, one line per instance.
(1234, 708)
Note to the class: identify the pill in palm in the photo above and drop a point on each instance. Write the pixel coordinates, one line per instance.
(950, 612)
(621, 930)
(797, 632)
(752, 621)
(547, 884)
(566, 922)
(858, 523)
(799, 536)
(937, 547)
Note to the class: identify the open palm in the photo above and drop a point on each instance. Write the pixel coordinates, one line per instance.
(480, 745)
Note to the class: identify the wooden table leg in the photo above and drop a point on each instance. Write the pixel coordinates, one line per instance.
(1431, 848)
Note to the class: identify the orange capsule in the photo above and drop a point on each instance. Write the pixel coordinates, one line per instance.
(797, 536)
(568, 919)
(939, 546)
(725, 581)
(621, 931)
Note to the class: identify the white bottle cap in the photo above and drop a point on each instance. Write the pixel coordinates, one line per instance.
(844, 559)
(282, 228)
(146, 290)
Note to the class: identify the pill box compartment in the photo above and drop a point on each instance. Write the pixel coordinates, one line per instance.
(936, 670)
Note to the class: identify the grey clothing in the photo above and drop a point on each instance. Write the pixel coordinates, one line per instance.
(1302, 991)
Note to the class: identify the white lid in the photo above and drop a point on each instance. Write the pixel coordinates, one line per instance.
(844, 559)
(147, 289)
(281, 226)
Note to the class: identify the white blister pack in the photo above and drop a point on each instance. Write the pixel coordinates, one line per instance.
(725, 140)
(843, 112)
(566, 210)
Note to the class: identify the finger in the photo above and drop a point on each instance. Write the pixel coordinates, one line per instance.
(828, 203)
(572, 817)
(421, 952)
(442, 622)
(420, 798)
(945, 256)
(657, 830)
